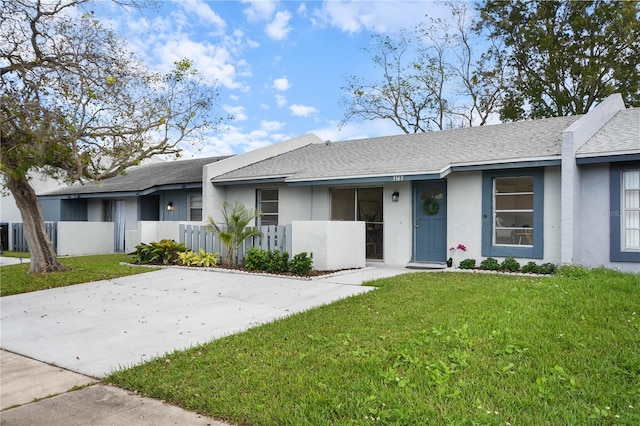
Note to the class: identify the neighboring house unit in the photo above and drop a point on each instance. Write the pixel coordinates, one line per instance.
(560, 190)
(159, 191)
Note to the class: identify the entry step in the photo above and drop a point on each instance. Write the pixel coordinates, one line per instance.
(427, 265)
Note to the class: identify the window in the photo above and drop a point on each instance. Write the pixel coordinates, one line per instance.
(195, 208)
(631, 210)
(625, 212)
(268, 205)
(512, 210)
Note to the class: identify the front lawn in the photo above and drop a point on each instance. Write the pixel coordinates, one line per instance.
(15, 279)
(426, 348)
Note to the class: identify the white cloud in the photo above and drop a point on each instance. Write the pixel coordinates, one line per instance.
(359, 130)
(213, 61)
(259, 10)
(203, 12)
(281, 100)
(281, 84)
(374, 16)
(238, 112)
(302, 110)
(279, 27)
(271, 126)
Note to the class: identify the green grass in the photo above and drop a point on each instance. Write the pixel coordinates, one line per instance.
(15, 279)
(23, 254)
(426, 348)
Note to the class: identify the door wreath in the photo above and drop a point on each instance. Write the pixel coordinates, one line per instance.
(431, 206)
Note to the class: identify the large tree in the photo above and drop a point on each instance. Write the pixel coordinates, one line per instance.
(433, 77)
(75, 104)
(566, 55)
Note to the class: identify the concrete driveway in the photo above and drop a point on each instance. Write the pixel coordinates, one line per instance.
(97, 327)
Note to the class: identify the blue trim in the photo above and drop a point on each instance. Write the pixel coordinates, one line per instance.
(488, 249)
(512, 165)
(608, 159)
(615, 210)
(120, 194)
(369, 179)
(248, 181)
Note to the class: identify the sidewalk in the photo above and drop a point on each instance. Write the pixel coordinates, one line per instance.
(96, 327)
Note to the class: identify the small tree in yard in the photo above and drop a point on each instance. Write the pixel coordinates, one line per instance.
(234, 228)
(77, 106)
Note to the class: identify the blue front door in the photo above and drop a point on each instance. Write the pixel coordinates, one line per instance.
(430, 221)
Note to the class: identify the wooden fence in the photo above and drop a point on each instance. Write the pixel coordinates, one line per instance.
(273, 237)
(18, 240)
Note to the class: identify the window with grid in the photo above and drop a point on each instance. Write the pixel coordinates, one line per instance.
(195, 208)
(630, 216)
(268, 205)
(513, 210)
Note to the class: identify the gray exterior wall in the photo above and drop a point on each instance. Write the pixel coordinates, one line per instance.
(593, 218)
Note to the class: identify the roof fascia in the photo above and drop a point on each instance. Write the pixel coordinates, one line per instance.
(172, 187)
(364, 180)
(508, 165)
(249, 181)
(608, 158)
(120, 194)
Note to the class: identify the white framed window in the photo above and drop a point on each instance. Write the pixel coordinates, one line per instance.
(630, 211)
(513, 211)
(268, 205)
(195, 208)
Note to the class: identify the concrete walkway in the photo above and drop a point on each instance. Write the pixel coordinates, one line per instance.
(92, 329)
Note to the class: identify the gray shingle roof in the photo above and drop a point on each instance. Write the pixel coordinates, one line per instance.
(421, 153)
(144, 177)
(620, 135)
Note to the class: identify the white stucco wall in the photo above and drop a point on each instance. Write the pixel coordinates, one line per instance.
(9, 211)
(398, 224)
(464, 214)
(84, 238)
(334, 244)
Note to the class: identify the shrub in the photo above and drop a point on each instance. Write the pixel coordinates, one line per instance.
(490, 264)
(202, 258)
(256, 259)
(264, 260)
(164, 251)
(301, 263)
(187, 258)
(547, 268)
(277, 261)
(468, 264)
(510, 265)
(531, 268)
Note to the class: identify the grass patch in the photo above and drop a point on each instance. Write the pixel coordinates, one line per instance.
(22, 254)
(15, 279)
(425, 348)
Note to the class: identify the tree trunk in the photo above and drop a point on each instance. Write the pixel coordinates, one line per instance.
(43, 255)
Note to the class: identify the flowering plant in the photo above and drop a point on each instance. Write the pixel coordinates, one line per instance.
(452, 250)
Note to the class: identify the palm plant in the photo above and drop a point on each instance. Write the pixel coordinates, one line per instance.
(234, 228)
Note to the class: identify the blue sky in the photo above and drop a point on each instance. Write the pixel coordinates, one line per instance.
(280, 64)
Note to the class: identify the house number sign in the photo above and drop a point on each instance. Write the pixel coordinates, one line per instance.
(398, 178)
